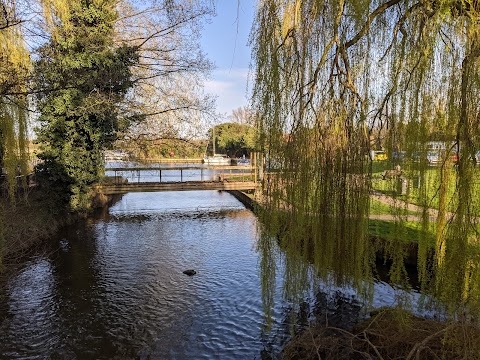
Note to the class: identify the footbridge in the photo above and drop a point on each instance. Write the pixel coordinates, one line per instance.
(178, 178)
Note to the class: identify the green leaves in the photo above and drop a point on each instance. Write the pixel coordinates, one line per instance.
(356, 75)
(235, 139)
(82, 78)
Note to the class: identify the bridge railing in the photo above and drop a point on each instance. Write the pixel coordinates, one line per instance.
(166, 174)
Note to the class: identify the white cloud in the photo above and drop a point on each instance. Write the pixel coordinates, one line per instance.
(234, 73)
(217, 86)
(230, 88)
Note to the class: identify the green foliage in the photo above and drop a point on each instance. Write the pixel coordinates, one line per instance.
(82, 75)
(14, 72)
(334, 79)
(235, 139)
(13, 142)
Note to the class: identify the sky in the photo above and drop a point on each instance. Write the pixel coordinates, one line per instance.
(224, 40)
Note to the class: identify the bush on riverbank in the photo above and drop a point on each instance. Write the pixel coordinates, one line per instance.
(31, 219)
(34, 218)
(388, 334)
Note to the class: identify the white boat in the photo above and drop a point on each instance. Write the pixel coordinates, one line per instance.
(217, 159)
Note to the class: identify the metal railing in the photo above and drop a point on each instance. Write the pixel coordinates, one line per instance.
(179, 174)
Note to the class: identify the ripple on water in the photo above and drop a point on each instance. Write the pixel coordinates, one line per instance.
(30, 322)
(116, 288)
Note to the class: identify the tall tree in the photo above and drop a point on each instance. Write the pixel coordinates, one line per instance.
(332, 74)
(83, 76)
(234, 139)
(168, 78)
(14, 71)
(243, 115)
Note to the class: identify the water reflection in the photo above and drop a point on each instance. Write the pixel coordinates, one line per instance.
(32, 321)
(348, 268)
(114, 287)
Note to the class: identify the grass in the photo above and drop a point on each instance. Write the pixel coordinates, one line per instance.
(407, 232)
(431, 182)
(379, 208)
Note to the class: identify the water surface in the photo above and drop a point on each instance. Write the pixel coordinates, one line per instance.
(114, 288)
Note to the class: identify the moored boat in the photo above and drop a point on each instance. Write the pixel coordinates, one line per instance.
(217, 159)
(241, 162)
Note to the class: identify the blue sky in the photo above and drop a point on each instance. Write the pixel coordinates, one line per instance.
(224, 40)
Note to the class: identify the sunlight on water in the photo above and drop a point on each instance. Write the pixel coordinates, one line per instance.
(115, 288)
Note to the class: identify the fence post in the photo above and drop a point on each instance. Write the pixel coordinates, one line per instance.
(260, 168)
(255, 167)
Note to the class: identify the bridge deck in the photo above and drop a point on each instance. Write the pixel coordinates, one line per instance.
(110, 189)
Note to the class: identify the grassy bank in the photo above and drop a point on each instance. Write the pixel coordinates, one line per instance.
(32, 219)
(425, 191)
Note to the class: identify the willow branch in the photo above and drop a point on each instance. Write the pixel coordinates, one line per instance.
(378, 11)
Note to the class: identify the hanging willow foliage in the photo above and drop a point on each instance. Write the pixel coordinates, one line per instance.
(14, 69)
(334, 80)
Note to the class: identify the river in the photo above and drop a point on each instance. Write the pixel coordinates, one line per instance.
(114, 288)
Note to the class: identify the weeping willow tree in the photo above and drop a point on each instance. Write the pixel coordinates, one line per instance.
(333, 79)
(15, 66)
(14, 69)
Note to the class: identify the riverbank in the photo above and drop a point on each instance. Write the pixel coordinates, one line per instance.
(26, 223)
(390, 333)
(169, 160)
(34, 219)
(246, 199)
